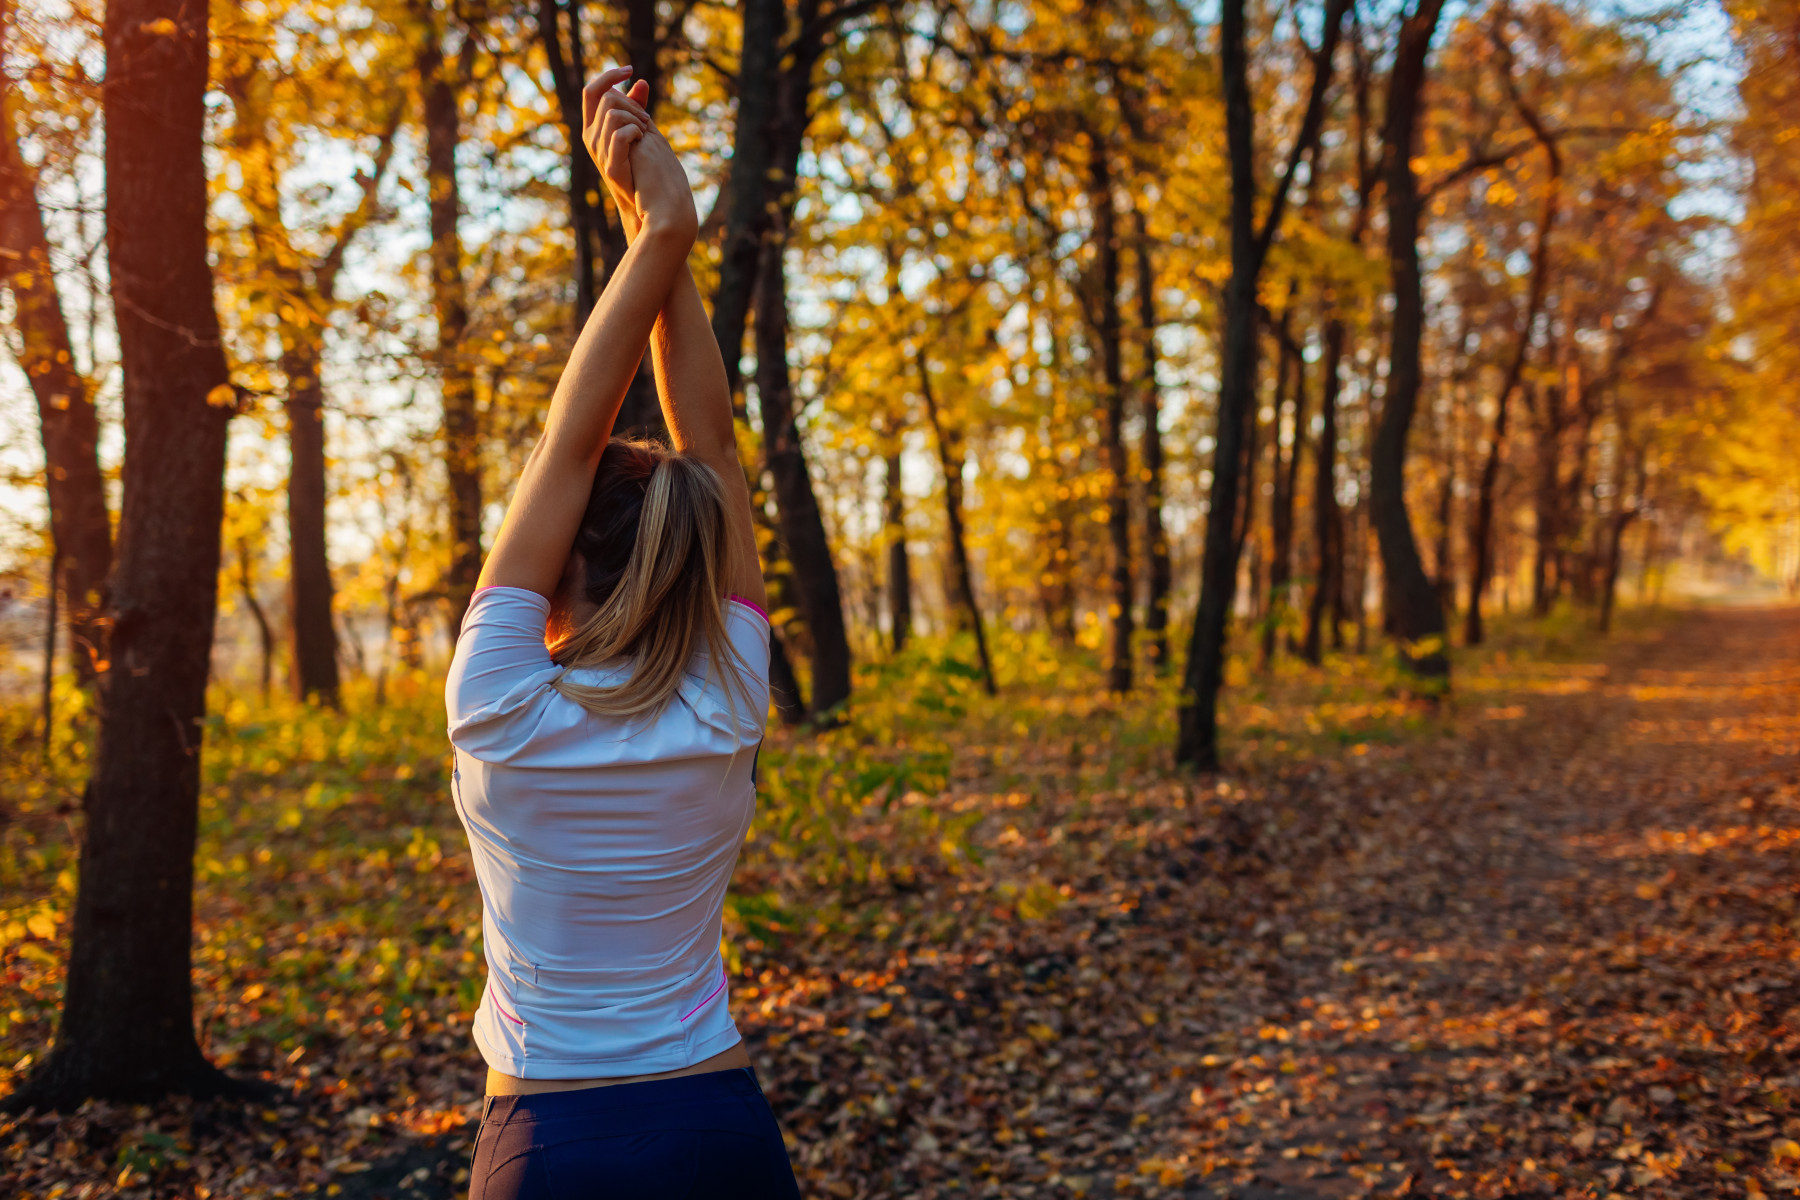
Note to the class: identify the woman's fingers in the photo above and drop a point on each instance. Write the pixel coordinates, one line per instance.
(617, 100)
(597, 87)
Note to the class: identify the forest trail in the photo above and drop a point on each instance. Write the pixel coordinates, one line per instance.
(1553, 953)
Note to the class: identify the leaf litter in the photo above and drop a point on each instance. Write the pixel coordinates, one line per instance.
(1542, 944)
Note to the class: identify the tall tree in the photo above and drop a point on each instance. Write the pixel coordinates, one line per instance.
(1156, 540)
(301, 290)
(440, 85)
(1481, 534)
(899, 566)
(1413, 609)
(1104, 316)
(1197, 739)
(774, 90)
(962, 574)
(127, 1028)
(80, 529)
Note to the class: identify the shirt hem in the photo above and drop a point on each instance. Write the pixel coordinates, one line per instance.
(537, 1067)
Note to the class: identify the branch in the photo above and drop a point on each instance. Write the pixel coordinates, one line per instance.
(1310, 124)
(325, 274)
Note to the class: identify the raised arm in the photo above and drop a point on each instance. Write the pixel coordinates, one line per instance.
(533, 545)
(690, 376)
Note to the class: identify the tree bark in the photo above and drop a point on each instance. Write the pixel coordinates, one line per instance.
(802, 525)
(1281, 499)
(313, 636)
(1197, 736)
(1156, 541)
(962, 578)
(899, 565)
(1327, 520)
(1547, 536)
(80, 528)
(462, 423)
(127, 1030)
(1413, 611)
(1110, 330)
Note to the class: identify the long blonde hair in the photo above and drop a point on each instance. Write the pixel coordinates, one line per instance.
(655, 552)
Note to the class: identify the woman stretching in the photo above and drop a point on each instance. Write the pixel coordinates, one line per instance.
(606, 701)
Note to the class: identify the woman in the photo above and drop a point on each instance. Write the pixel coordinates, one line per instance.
(606, 701)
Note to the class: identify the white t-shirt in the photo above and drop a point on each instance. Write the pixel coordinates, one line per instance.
(603, 847)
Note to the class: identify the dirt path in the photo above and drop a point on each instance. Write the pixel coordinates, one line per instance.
(1551, 953)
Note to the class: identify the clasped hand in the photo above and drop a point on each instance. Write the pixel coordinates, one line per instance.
(640, 168)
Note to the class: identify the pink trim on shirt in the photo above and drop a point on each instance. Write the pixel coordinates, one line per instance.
(722, 976)
(508, 1015)
(753, 606)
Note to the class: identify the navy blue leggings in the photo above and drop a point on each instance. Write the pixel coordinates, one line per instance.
(710, 1135)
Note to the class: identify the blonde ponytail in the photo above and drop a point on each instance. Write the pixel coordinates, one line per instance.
(655, 551)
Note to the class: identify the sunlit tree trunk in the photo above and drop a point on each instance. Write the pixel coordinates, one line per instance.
(81, 531)
(1327, 520)
(438, 80)
(314, 637)
(899, 566)
(962, 576)
(1110, 331)
(1156, 541)
(1281, 498)
(1412, 610)
(127, 1026)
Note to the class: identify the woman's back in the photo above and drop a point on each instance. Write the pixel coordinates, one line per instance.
(603, 846)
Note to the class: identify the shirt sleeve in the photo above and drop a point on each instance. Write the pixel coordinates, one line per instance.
(501, 663)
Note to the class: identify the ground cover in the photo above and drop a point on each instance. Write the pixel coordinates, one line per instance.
(1540, 940)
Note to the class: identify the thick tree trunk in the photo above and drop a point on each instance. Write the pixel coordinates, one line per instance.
(127, 1030)
(962, 576)
(1413, 612)
(80, 529)
(462, 428)
(1156, 541)
(802, 525)
(1327, 520)
(784, 686)
(1609, 584)
(313, 635)
(899, 566)
(1110, 330)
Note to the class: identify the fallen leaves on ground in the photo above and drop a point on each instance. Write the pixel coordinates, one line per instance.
(1542, 944)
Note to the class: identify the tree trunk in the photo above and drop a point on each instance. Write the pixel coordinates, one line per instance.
(1156, 541)
(1413, 611)
(1548, 534)
(1281, 499)
(127, 1027)
(314, 638)
(1112, 443)
(1609, 585)
(899, 565)
(747, 216)
(962, 578)
(802, 525)
(462, 422)
(1481, 537)
(784, 686)
(264, 631)
(80, 529)
(1327, 520)
(1197, 741)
